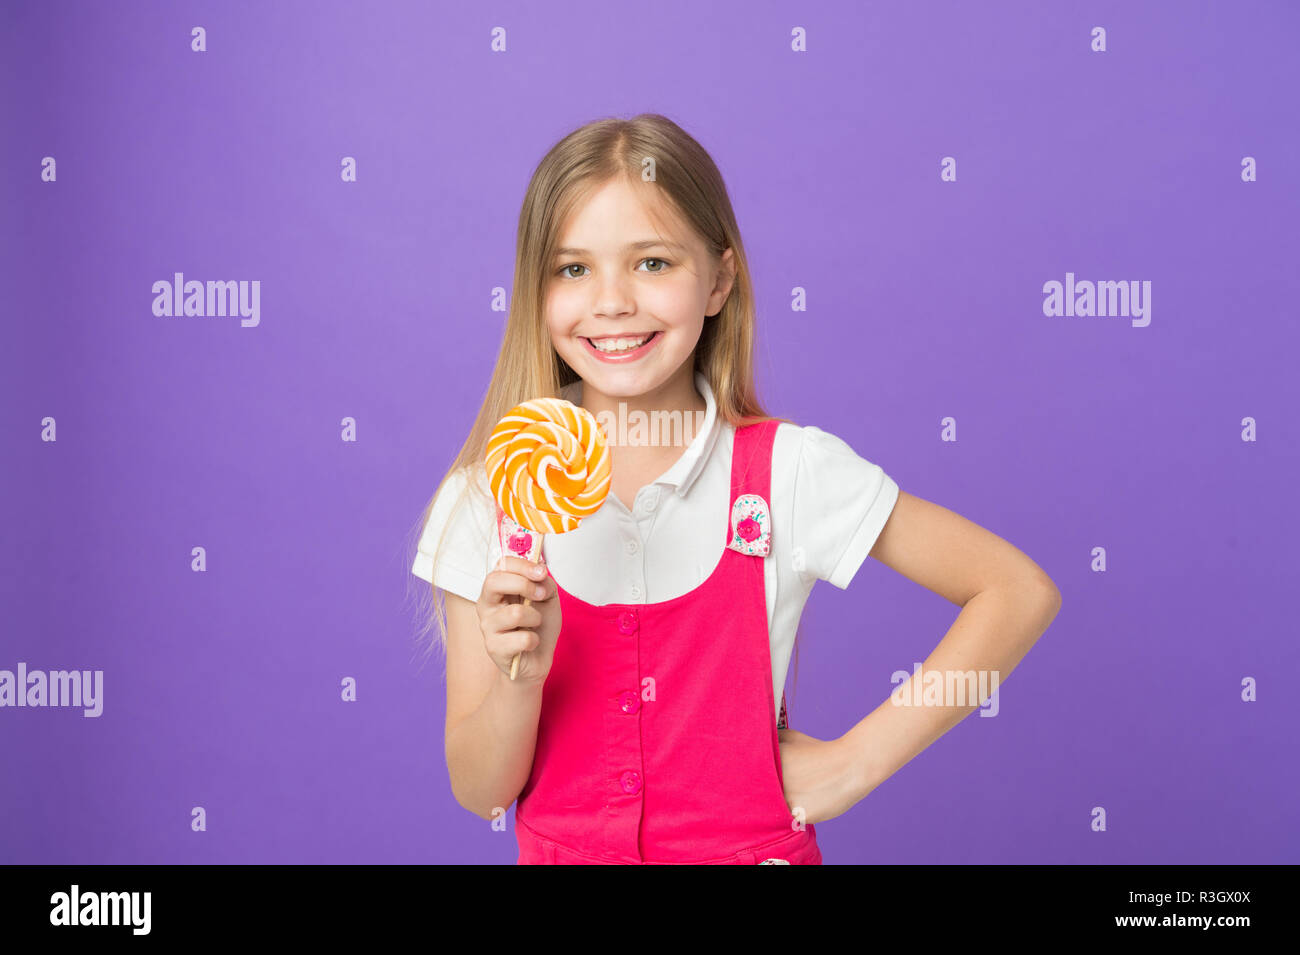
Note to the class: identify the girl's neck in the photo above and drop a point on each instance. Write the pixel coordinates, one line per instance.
(641, 453)
(638, 463)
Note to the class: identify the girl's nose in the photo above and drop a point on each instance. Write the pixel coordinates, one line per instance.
(613, 297)
(613, 306)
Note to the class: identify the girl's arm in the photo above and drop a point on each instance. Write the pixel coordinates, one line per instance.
(1007, 602)
(491, 729)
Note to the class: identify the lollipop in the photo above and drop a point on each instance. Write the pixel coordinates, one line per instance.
(548, 467)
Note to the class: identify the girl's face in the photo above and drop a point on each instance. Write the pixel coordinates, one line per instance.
(616, 276)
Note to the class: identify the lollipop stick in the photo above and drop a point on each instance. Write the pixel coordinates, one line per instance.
(532, 555)
(514, 664)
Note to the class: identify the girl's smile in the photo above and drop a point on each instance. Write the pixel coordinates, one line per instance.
(615, 349)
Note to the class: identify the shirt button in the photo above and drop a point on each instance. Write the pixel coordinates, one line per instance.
(631, 547)
(631, 782)
(636, 591)
(629, 702)
(627, 622)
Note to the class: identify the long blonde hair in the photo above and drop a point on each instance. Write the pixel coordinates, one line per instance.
(528, 366)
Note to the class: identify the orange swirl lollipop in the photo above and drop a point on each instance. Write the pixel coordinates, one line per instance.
(548, 466)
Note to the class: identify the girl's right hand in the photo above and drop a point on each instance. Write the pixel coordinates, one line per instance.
(509, 627)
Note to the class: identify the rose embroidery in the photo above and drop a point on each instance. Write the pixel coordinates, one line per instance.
(520, 543)
(517, 539)
(751, 524)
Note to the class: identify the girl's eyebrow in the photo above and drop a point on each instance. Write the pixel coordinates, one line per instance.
(631, 246)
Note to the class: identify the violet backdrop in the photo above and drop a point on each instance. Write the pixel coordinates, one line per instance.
(222, 688)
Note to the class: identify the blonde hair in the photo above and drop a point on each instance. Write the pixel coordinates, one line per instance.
(528, 366)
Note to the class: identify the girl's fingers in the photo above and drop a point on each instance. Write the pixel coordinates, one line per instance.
(524, 568)
(511, 643)
(515, 576)
(502, 585)
(511, 617)
(527, 641)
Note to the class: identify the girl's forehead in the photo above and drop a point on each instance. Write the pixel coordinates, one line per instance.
(628, 239)
(659, 213)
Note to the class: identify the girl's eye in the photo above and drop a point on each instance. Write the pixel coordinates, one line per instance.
(564, 270)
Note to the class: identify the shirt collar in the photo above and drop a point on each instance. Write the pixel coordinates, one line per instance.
(687, 468)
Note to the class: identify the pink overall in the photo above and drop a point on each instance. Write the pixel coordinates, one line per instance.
(657, 739)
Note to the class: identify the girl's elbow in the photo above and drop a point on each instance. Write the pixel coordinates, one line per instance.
(1035, 588)
(1051, 597)
(475, 802)
(1039, 597)
(472, 805)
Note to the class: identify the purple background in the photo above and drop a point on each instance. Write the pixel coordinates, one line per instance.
(221, 689)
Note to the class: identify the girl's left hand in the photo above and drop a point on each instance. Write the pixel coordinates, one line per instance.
(818, 776)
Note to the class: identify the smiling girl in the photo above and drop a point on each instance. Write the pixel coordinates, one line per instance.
(643, 726)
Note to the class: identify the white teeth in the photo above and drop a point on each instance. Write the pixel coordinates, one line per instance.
(620, 344)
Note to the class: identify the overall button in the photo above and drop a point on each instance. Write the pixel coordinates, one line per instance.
(631, 782)
(629, 702)
(627, 622)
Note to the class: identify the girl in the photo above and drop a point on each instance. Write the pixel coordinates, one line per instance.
(642, 727)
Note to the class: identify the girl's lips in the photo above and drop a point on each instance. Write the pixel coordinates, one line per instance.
(623, 356)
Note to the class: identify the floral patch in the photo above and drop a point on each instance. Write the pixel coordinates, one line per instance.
(517, 541)
(751, 526)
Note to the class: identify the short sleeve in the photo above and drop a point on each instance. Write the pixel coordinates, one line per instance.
(841, 504)
(469, 546)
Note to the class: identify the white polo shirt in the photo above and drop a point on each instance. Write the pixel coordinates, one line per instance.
(828, 507)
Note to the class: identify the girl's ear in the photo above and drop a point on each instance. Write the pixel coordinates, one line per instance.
(726, 277)
(727, 265)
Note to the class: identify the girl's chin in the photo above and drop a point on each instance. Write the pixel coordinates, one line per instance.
(618, 384)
